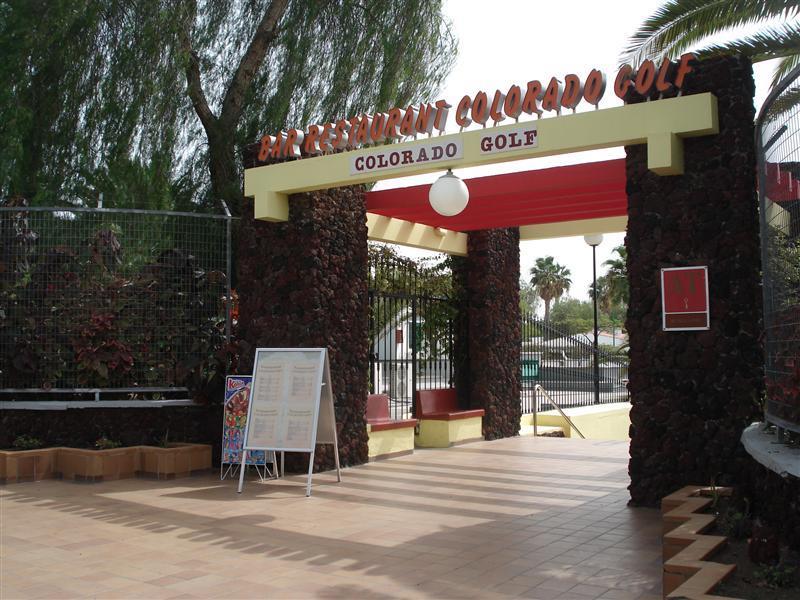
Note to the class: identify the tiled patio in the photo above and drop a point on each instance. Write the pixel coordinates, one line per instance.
(529, 517)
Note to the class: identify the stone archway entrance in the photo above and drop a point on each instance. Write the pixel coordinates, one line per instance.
(690, 188)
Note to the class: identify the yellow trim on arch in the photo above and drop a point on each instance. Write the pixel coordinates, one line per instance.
(543, 231)
(661, 124)
(416, 235)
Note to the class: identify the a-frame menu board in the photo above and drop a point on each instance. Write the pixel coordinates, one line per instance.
(291, 405)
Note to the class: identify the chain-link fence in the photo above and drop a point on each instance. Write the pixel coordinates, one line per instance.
(778, 146)
(105, 301)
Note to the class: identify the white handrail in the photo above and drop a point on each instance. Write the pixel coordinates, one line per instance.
(539, 388)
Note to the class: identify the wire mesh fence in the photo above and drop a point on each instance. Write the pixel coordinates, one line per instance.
(564, 366)
(108, 300)
(778, 146)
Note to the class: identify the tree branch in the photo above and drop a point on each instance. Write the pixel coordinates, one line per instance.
(265, 34)
(194, 86)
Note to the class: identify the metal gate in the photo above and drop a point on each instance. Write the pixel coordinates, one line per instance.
(410, 328)
(564, 366)
(778, 149)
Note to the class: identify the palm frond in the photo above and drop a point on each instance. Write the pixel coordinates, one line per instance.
(678, 24)
(785, 65)
(772, 42)
(787, 102)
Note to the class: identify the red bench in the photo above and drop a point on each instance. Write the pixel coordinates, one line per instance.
(442, 405)
(387, 437)
(378, 414)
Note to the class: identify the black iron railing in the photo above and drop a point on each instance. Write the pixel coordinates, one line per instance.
(410, 328)
(564, 366)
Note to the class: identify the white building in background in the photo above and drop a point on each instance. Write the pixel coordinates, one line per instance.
(615, 338)
(392, 354)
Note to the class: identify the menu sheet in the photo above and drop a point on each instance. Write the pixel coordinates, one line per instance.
(286, 394)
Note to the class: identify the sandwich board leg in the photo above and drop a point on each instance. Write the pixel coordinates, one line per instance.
(283, 469)
(310, 470)
(336, 455)
(242, 469)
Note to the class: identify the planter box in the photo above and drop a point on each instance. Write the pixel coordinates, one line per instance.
(176, 460)
(687, 572)
(76, 464)
(17, 466)
(98, 465)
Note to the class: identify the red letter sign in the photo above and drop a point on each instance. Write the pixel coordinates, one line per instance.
(684, 298)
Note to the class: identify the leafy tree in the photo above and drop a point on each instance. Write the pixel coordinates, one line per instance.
(89, 84)
(396, 281)
(528, 298)
(550, 280)
(85, 84)
(572, 316)
(680, 25)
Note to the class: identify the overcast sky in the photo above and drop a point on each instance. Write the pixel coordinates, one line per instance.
(507, 42)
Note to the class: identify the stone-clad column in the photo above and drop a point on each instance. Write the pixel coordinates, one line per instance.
(304, 283)
(489, 334)
(693, 392)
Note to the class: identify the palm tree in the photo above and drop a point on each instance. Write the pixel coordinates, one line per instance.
(679, 25)
(551, 280)
(604, 300)
(616, 278)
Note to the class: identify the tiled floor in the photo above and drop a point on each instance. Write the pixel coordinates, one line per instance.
(535, 518)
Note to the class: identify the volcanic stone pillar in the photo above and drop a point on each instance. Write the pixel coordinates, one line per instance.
(488, 331)
(304, 283)
(693, 392)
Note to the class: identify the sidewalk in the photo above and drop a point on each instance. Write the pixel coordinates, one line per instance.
(536, 518)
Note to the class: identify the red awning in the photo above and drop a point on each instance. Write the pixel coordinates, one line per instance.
(572, 193)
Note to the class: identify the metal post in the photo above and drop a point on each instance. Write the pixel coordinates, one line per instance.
(413, 354)
(229, 274)
(594, 297)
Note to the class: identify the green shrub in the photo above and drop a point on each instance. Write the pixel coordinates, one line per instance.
(26, 442)
(776, 576)
(103, 443)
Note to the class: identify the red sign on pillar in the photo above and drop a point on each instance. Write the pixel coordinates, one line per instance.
(684, 298)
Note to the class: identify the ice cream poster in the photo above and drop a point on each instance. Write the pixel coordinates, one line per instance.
(237, 400)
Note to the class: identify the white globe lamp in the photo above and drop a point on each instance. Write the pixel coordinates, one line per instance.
(448, 195)
(593, 239)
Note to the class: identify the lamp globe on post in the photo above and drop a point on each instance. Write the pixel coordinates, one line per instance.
(594, 240)
(448, 195)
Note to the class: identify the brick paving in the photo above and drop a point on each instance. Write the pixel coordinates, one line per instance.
(540, 518)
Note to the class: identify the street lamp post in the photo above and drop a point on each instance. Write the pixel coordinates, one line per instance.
(595, 240)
